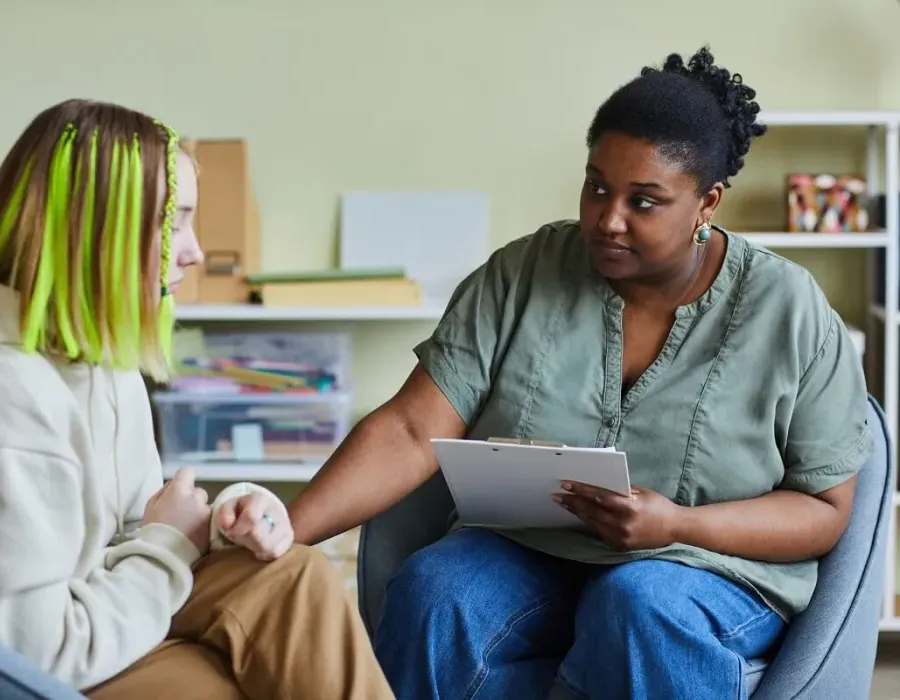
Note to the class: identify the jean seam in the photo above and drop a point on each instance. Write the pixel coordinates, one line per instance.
(570, 686)
(747, 624)
(511, 622)
(741, 680)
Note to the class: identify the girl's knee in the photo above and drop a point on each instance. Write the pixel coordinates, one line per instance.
(311, 563)
(300, 563)
(302, 556)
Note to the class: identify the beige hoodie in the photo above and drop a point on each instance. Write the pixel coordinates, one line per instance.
(85, 590)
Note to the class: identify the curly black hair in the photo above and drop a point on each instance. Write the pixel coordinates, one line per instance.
(698, 114)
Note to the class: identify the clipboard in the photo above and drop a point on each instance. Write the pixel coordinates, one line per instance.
(504, 484)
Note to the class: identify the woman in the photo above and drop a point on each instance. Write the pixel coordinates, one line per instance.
(718, 367)
(96, 586)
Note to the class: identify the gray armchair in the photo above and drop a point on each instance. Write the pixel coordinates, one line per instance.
(829, 650)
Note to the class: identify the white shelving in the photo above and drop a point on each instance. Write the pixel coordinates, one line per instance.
(877, 311)
(819, 240)
(890, 624)
(841, 118)
(429, 311)
(247, 471)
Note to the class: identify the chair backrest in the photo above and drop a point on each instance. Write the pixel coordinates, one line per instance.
(386, 541)
(829, 650)
(845, 608)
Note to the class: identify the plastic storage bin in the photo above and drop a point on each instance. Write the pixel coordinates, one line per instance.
(259, 428)
(319, 361)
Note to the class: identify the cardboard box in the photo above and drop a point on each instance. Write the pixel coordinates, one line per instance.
(227, 225)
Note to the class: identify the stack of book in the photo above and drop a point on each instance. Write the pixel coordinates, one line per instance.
(336, 288)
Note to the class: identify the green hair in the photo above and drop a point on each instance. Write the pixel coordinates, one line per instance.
(63, 312)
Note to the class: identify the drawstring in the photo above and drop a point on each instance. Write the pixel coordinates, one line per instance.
(120, 518)
(92, 390)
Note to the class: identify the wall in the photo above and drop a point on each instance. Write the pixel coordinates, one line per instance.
(404, 93)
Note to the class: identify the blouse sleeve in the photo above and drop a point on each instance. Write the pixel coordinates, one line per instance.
(828, 439)
(460, 356)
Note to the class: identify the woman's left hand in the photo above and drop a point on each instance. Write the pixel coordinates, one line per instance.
(259, 523)
(645, 520)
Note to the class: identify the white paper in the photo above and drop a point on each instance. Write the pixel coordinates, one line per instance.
(247, 442)
(508, 485)
(438, 237)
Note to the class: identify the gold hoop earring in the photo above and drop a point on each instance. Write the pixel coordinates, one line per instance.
(702, 234)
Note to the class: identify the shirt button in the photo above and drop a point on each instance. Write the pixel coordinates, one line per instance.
(610, 422)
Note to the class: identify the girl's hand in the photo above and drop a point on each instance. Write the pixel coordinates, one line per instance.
(182, 505)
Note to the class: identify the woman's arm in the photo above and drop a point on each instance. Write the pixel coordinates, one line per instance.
(385, 457)
(389, 454)
(780, 526)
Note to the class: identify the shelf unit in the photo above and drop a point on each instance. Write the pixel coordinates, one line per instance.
(819, 240)
(881, 128)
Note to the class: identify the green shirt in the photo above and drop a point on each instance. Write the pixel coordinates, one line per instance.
(758, 387)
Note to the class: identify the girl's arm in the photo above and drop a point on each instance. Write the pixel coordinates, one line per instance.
(78, 611)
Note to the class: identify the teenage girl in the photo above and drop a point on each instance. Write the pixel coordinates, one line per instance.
(105, 577)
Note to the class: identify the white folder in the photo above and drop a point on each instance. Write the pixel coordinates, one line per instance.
(501, 484)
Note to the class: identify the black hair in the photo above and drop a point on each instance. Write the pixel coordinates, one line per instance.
(697, 114)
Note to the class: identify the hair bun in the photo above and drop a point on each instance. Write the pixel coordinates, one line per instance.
(734, 97)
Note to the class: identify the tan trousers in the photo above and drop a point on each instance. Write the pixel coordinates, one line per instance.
(282, 630)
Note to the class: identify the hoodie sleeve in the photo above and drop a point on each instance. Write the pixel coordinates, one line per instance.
(134, 512)
(82, 628)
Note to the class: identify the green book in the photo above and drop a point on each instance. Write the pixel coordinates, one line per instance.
(330, 275)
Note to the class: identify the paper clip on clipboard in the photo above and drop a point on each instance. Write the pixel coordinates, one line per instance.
(524, 441)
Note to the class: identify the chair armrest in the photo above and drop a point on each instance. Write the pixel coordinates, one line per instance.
(20, 680)
(389, 539)
(829, 650)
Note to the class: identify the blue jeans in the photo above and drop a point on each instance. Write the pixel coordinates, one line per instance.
(478, 616)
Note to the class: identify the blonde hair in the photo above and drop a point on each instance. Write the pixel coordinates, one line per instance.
(79, 215)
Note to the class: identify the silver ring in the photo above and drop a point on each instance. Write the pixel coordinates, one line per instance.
(269, 519)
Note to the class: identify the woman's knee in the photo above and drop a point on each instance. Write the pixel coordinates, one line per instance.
(447, 575)
(428, 575)
(638, 590)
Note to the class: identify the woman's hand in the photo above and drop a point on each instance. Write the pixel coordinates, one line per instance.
(645, 520)
(258, 522)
